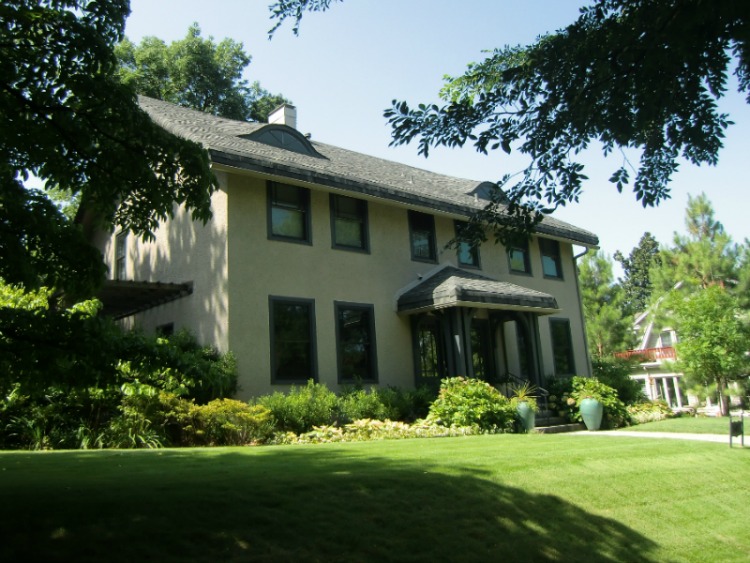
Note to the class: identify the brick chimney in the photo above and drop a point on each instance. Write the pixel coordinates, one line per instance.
(285, 114)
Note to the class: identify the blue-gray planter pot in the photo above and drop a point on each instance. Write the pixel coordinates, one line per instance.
(591, 412)
(527, 416)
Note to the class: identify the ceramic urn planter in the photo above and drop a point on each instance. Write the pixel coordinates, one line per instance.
(527, 416)
(591, 412)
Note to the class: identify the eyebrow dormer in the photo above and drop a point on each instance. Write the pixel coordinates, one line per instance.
(281, 132)
(283, 137)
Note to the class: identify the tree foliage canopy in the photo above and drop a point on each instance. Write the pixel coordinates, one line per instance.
(643, 75)
(197, 73)
(608, 329)
(70, 121)
(713, 338)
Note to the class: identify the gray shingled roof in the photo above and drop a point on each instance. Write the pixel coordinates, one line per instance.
(452, 287)
(339, 168)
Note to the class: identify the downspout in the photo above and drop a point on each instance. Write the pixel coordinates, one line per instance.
(589, 367)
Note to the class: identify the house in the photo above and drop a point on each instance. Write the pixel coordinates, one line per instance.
(656, 355)
(323, 263)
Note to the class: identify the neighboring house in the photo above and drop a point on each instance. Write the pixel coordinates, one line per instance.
(656, 354)
(322, 263)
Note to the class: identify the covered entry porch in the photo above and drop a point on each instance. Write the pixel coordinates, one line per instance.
(466, 324)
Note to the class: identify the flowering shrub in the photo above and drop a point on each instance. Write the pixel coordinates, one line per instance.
(471, 402)
(368, 429)
(649, 411)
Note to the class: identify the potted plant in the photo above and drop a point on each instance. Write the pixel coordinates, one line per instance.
(588, 396)
(524, 399)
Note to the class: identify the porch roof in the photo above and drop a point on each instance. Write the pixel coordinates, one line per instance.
(454, 287)
(122, 299)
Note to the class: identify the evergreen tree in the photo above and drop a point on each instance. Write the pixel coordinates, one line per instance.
(704, 256)
(637, 266)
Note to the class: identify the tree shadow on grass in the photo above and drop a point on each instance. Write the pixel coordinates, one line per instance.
(290, 504)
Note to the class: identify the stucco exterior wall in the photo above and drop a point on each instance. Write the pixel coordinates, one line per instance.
(184, 251)
(259, 268)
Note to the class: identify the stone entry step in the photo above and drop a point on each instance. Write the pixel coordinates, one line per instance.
(558, 428)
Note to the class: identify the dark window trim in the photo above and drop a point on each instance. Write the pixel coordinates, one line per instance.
(475, 250)
(337, 306)
(365, 225)
(418, 215)
(307, 240)
(272, 299)
(121, 262)
(525, 248)
(571, 352)
(556, 257)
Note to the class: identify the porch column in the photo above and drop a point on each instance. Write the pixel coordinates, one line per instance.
(458, 336)
(676, 383)
(667, 396)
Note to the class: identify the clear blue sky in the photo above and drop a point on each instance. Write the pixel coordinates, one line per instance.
(347, 65)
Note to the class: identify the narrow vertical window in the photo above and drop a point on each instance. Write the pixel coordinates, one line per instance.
(518, 254)
(288, 213)
(349, 223)
(422, 235)
(428, 350)
(355, 330)
(121, 255)
(293, 357)
(562, 347)
(468, 255)
(551, 263)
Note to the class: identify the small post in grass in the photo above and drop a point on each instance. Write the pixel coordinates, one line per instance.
(737, 428)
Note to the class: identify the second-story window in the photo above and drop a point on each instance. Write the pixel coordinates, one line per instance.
(422, 236)
(349, 223)
(288, 213)
(121, 255)
(518, 254)
(551, 263)
(467, 255)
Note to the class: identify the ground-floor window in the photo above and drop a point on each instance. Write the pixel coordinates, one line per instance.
(429, 355)
(562, 347)
(355, 331)
(292, 340)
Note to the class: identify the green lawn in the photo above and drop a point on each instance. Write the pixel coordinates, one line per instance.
(692, 425)
(483, 498)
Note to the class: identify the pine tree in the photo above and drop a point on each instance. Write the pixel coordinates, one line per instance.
(636, 284)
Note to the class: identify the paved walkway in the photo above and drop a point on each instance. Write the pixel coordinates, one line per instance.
(721, 438)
